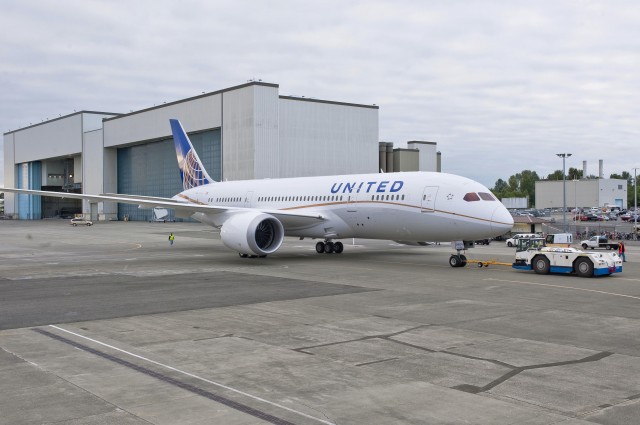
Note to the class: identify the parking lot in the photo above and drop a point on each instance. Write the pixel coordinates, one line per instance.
(109, 324)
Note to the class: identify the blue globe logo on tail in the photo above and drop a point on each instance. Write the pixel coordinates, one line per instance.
(192, 171)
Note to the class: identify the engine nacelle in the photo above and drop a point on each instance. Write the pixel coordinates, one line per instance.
(252, 233)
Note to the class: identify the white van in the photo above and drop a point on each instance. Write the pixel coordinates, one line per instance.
(559, 239)
(512, 241)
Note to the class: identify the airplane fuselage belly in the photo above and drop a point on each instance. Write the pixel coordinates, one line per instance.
(375, 222)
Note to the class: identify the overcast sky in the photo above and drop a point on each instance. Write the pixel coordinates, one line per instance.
(501, 86)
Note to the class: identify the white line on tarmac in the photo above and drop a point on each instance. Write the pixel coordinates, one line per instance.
(563, 287)
(195, 376)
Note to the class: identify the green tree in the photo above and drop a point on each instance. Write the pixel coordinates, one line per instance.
(574, 174)
(501, 186)
(519, 185)
(556, 175)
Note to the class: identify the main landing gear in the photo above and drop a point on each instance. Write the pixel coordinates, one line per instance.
(250, 256)
(329, 247)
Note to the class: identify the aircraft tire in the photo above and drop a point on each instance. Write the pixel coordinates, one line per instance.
(463, 260)
(338, 247)
(320, 247)
(454, 261)
(329, 248)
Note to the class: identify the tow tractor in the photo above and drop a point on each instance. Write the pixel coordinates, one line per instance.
(533, 254)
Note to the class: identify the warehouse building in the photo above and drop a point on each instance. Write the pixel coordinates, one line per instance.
(244, 132)
(581, 193)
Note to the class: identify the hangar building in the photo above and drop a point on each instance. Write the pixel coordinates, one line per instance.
(248, 131)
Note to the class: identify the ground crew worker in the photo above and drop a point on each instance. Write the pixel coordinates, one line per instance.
(171, 238)
(621, 251)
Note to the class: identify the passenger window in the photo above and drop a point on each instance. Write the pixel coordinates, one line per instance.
(403, 197)
(471, 197)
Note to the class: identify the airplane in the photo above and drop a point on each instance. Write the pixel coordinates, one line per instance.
(254, 216)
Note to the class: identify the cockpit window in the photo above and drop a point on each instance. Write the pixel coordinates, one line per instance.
(471, 197)
(486, 196)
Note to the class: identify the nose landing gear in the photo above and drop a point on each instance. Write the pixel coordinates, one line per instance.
(457, 260)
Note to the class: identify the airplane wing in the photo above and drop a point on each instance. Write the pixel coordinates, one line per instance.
(287, 218)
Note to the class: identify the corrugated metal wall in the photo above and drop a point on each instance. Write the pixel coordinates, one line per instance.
(319, 138)
(238, 134)
(266, 135)
(9, 172)
(52, 139)
(196, 114)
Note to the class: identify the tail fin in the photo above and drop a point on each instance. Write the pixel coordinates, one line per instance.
(192, 171)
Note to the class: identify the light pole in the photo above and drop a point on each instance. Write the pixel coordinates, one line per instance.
(564, 156)
(635, 203)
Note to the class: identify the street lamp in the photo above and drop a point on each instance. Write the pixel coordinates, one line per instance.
(635, 202)
(564, 156)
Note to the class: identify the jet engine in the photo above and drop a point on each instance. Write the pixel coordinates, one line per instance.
(252, 233)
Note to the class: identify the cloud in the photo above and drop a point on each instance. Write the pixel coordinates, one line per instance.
(501, 86)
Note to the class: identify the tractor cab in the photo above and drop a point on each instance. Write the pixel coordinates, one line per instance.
(526, 244)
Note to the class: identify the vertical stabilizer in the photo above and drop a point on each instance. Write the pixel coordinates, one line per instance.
(192, 171)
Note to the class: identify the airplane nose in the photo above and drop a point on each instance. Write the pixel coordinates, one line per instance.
(501, 221)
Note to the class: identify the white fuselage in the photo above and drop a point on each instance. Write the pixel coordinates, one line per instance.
(410, 206)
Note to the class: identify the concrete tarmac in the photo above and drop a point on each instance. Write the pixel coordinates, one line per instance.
(110, 325)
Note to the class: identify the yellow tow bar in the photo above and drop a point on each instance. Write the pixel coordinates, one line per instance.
(487, 263)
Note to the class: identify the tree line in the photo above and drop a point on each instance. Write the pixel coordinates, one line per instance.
(523, 184)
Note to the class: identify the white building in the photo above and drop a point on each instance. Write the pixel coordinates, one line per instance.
(581, 193)
(243, 132)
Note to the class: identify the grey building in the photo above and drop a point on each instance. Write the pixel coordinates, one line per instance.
(581, 193)
(244, 132)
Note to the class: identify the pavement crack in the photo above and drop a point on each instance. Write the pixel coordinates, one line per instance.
(386, 336)
(474, 389)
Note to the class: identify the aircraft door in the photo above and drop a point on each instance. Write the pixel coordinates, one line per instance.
(352, 202)
(247, 199)
(428, 201)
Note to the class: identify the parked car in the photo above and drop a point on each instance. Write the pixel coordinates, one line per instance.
(80, 222)
(513, 240)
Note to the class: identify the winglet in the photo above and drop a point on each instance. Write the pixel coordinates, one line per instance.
(192, 171)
